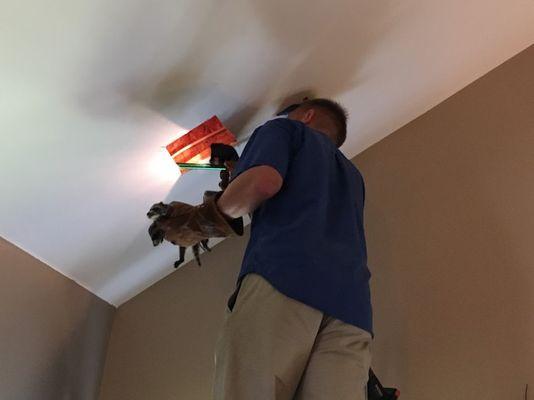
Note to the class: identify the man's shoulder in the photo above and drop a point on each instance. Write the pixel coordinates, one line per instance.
(350, 165)
(282, 129)
(282, 124)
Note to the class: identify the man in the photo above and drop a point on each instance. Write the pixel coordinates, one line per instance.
(299, 324)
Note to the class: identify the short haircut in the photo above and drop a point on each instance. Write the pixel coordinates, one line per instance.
(334, 111)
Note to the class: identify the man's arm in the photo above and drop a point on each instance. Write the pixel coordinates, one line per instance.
(251, 188)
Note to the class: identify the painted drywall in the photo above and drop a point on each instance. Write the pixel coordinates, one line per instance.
(449, 224)
(162, 341)
(53, 332)
(92, 90)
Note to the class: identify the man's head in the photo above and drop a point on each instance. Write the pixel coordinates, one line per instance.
(325, 116)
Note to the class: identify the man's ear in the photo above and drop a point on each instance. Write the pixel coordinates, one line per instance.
(308, 116)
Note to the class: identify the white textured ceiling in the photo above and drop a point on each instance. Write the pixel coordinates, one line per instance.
(91, 91)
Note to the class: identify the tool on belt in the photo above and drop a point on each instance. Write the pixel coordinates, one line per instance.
(375, 390)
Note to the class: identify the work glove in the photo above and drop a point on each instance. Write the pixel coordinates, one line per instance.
(186, 225)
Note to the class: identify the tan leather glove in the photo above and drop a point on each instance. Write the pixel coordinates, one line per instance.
(186, 225)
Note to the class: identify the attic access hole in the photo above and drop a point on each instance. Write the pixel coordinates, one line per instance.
(194, 146)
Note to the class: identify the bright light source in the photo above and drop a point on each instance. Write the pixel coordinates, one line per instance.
(163, 168)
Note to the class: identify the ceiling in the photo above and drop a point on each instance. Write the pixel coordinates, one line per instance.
(92, 90)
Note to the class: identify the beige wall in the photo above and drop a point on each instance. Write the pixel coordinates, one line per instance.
(450, 228)
(449, 222)
(162, 340)
(53, 332)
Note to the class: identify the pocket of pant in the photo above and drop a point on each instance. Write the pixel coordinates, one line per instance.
(233, 298)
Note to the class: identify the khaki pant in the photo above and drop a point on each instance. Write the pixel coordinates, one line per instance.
(274, 347)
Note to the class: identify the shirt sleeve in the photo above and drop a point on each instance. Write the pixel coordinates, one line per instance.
(272, 144)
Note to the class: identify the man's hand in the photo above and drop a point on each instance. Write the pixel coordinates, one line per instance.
(226, 174)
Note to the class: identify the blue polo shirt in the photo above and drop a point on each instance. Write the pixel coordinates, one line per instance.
(308, 240)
